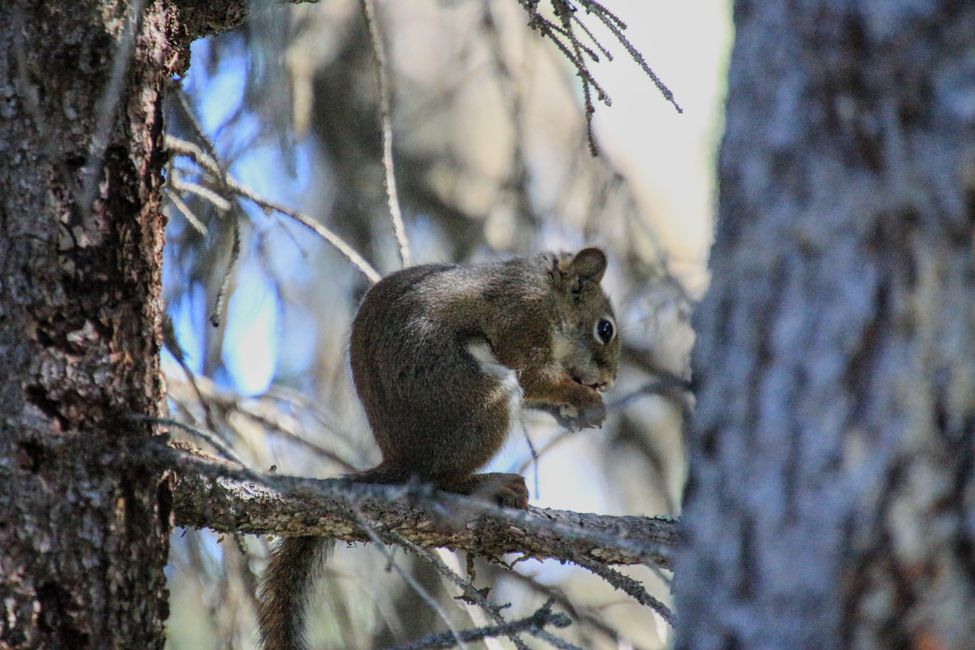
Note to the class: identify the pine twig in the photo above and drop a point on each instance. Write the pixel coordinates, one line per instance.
(385, 123)
(533, 624)
(209, 164)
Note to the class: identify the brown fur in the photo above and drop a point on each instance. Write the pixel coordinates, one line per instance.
(433, 349)
(285, 587)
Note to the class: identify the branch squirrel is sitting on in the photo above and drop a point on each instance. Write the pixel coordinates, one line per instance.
(443, 359)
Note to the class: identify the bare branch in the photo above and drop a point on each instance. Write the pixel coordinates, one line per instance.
(471, 593)
(259, 411)
(579, 613)
(171, 341)
(370, 530)
(617, 26)
(228, 274)
(385, 124)
(191, 218)
(565, 15)
(178, 184)
(534, 624)
(216, 495)
(576, 52)
(630, 586)
(184, 148)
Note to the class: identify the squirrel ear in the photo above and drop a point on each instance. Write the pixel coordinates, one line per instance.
(588, 265)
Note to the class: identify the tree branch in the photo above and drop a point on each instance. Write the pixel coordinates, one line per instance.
(209, 493)
(217, 16)
(534, 624)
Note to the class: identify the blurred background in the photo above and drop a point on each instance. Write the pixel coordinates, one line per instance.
(491, 159)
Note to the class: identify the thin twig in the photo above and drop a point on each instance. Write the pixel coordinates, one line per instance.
(172, 344)
(532, 451)
(179, 184)
(185, 148)
(187, 213)
(629, 586)
(428, 598)
(533, 624)
(184, 103)
(315, 409)
(471, 593)
(227, 403)
(214, 442)
(385, 123)
(576, 612)
(592, 37)
(566, 17)
(669, 386)
(548, 29)
(616, 26)
(553, 640)
(551, 442)
(576, 51)
(578, 46)
(216, 314)
(674, 389)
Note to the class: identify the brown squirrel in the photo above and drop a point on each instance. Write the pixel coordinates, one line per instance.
(443, 358)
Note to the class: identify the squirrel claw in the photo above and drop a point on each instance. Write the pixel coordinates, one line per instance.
(508, 490)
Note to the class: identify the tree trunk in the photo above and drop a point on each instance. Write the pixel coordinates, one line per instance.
(83, 525)
(832, 491)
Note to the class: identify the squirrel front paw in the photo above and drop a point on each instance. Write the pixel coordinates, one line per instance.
(590, 416)
(588, 412)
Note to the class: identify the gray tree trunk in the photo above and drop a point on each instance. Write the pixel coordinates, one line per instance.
(831, 499)
(83, 524)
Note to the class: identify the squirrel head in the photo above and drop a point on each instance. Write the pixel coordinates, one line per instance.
(586, 339)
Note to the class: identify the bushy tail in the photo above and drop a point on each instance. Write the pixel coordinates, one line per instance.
(285, 587)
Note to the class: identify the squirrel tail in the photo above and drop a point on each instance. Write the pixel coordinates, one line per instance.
(285, 587)
(295, 565)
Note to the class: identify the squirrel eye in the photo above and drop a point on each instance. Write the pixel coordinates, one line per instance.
(604, 330)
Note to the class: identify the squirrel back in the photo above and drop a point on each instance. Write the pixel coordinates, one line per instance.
(443, 358)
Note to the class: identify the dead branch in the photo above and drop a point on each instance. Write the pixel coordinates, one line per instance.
(534, 624)
(563, 35)
(386, 127)
(471, 595)
(209, 165)
(209, 493)
(426, 596)
(632, 587)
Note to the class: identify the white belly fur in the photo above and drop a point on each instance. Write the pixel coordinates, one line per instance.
(509, 389)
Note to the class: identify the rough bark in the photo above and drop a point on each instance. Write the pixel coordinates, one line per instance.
(206, 17)
(212, 494)
(831, 462)
(83, 529)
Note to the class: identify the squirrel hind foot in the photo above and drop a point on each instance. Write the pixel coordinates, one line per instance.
(508, 490)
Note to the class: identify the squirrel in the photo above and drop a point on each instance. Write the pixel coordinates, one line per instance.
(443, 359)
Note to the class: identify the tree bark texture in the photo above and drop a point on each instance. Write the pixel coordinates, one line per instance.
(831, 499)
(83, 528)
(213, 494)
